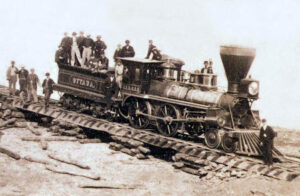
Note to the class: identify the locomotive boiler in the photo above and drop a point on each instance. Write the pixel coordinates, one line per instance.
(154, 94)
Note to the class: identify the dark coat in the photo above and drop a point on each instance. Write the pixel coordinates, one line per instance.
(127, 51)
(204, 70)
(99, 47)
(61, 57)
(267, 136)
(104, 63)
(210, 70)
(79, 41)
(48, 85)
(88, 42)
(23, 75)
(66, 43)
(149, 51)
(156, 54)
(118, 53)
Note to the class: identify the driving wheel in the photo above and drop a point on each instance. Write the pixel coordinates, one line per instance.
(166, 124)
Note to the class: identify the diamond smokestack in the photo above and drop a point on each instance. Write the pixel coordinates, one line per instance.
(237, 62)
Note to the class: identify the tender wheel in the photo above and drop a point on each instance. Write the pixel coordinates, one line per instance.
(137, 120)
(212, 138)
(166, 126)
(229, 144)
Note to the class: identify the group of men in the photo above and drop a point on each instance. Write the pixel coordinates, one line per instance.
(28, 83)
(207, 69)
(83, 51)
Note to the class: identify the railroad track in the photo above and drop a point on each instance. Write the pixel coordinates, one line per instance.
(287, 170)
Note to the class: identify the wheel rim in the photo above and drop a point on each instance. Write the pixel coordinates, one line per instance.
(212, 139)
(228, 143)
(136, 120)
(168, 127)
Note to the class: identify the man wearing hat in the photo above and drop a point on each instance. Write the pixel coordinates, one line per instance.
(47, 88)
(127, 50)
(99, 47)
(150, 48)
(11, 76)
(23, 81)
(104, 62)
(33, 82)
(205, 68)
(65, 45)
(75, 50)
(267, 136)
(88, 45)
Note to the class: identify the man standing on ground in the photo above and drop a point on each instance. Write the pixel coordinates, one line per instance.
(23, 82)
(33, 82)
(127, 50)
(266, 136)
(47, 89)
(11, 76)
(99, 47)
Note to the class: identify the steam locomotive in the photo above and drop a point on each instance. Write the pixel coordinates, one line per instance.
(161, 94)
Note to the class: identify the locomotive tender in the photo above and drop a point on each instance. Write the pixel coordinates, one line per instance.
(155, 93)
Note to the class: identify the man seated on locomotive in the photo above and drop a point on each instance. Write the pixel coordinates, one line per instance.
(118, 52)
(204, 70)
(101, 65)
(88, 45)
(61, 56)
(151, 46)
(119, 68)
(104, 61)
(127, 50)
(93, 63)
(156, 54)
(99, 47)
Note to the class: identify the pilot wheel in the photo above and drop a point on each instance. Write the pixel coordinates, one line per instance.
(229, 144)
(212, 138)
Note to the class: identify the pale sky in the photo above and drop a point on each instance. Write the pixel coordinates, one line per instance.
(191, 30)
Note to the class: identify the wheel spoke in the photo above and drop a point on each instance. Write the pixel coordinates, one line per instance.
(166, 110)
(169, 130)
